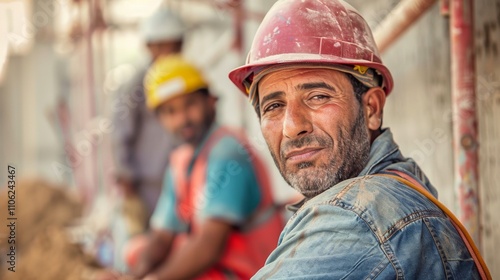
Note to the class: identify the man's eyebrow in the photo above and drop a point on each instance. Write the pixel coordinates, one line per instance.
(307, 86)
(270, 96)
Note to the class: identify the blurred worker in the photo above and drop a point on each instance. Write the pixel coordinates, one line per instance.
(141, 146)
(318, 86)
(215, 218)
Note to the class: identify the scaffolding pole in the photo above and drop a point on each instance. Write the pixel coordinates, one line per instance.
(465, 132)
(406, 13)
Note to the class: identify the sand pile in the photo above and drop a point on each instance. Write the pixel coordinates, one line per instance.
(43, 248)
(39, 205)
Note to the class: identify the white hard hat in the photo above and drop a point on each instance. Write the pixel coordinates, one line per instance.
(162, 25)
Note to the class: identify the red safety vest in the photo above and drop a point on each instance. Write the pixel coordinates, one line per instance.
(249, 246)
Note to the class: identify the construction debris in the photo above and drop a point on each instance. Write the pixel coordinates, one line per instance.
(44, 250)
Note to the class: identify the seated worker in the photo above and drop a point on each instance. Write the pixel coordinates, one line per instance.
(370, 213)
(215, 218)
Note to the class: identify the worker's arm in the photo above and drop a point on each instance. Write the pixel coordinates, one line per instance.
(155, 253)
(165, 225)
(202, 250)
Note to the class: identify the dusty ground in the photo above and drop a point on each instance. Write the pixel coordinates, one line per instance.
(43, 248)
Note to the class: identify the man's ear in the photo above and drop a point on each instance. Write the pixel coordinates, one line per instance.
(373, 103)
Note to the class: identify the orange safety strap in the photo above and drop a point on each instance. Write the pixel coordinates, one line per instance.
(411, 182)
(185, 185)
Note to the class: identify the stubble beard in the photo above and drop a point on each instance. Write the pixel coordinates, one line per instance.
(200, 130)
(353, 150)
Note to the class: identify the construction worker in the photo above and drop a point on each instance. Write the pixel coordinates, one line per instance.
(318, 85)
(215, 218)
(141, 146)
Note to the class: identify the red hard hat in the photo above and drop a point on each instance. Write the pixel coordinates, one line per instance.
(311, 32)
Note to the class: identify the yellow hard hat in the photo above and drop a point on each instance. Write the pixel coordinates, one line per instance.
(171, 76)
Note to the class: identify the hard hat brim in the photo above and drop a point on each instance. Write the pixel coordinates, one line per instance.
(243, 74)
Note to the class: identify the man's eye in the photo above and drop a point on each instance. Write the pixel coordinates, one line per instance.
(320, 97)
(165, 111)
(272, 107)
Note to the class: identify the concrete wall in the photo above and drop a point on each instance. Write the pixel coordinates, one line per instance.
(27, 95)
(488, 104)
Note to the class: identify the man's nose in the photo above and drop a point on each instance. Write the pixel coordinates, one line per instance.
(180, 118)
(296, 123)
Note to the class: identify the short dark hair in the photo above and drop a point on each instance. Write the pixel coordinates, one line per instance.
(204, 91)
(359, 88)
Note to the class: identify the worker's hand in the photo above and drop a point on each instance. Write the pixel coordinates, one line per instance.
(141, 269)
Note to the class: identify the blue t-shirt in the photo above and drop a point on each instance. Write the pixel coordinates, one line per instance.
(232, 192)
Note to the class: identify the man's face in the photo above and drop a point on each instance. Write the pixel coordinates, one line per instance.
(314, 127)
(188, 116)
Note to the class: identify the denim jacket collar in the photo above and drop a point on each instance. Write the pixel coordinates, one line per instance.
(385, 155)
(382, 150)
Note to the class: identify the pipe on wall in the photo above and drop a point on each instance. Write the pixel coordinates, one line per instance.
(399, 20)
(445, 7)
(465, 131)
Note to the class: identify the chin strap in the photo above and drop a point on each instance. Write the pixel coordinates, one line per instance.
(412, 183)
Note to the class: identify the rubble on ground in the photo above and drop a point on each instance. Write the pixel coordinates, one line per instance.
(44, 250)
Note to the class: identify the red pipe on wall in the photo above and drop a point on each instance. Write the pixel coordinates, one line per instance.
(465, 134)
(445, 7)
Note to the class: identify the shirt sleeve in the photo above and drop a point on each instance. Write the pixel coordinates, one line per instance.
(325, 242)
(165, 214)
(232, 191)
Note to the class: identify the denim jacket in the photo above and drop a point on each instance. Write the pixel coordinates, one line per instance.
(371, 227)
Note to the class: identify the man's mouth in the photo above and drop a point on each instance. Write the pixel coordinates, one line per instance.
(303, 154)
(187, 131)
